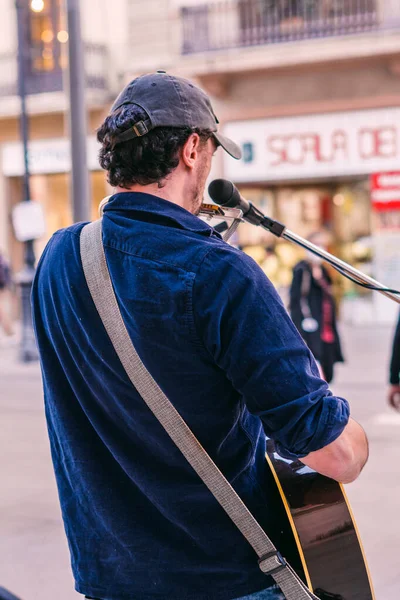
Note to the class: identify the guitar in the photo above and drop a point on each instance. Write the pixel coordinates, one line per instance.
(319, 537)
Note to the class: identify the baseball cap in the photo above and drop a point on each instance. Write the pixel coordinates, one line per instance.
(170, 101)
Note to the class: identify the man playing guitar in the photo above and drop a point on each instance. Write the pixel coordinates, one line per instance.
(214, 334)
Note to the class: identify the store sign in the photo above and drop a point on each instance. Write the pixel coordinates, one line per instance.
(308, 147)
(28, 221)
(385, 191)
(45, 157)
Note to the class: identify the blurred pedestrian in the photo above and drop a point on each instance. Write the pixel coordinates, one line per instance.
(312, 308)
(394, 391)
(5, 281)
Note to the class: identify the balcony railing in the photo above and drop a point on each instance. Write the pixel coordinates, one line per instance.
(236, 23)
(38, 81)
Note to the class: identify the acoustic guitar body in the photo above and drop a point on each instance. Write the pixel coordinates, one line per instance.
(321, 542)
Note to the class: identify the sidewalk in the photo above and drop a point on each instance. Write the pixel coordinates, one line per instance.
(10, 365)
(34, 560)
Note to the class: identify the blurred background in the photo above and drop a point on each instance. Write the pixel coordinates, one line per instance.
(309, 88)
(311, 91)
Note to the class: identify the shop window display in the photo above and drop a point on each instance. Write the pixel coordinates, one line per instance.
(343, 211)
(52, 191)
(352, 227)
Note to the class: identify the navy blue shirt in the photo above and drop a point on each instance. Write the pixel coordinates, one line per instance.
(212, 331)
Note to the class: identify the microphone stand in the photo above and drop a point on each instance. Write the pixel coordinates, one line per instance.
(256, 217)
(341, 266)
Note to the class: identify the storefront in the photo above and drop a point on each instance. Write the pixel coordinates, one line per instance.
(50, 167)
(313, 173)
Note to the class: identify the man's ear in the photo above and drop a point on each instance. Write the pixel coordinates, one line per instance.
(190, 150)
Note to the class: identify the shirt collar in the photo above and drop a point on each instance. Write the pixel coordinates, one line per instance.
(160, 209)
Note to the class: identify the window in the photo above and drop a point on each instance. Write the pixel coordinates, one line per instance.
(43, 36)
(46, 31)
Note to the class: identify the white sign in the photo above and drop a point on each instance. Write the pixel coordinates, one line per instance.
(28, 221)
(46, 156)
(308, 147)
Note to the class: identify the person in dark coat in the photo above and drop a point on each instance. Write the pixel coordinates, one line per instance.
(394, 391)
(312, 308)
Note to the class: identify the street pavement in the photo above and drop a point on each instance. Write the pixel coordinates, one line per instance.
(34, 560)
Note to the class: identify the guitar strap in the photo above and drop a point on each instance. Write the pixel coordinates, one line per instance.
(101, 289)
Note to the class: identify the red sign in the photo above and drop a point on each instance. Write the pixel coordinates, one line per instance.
(385, 191)
(298, 148)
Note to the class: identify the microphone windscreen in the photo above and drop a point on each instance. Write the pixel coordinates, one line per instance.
(224, 193)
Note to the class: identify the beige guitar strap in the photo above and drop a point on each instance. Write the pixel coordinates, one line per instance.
(100, 286)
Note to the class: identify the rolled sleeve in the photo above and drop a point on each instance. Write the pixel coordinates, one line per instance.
(247, 331)
(323, 429)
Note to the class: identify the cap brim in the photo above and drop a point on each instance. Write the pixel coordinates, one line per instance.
(228, 145)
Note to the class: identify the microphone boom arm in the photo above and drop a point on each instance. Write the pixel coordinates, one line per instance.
(225, 194)
(341, 266)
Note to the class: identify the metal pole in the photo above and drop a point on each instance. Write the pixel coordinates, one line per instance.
(28, 349)
(254, 216)
(338, 263)
(80, 188)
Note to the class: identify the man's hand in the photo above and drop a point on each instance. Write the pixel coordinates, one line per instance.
(344, 458)
(394, 397)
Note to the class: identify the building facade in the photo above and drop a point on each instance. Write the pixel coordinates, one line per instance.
(310, 89)
(45, 60)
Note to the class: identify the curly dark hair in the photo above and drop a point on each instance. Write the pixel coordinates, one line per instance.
(143, 160)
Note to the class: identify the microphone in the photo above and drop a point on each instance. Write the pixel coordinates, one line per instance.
(225, 193)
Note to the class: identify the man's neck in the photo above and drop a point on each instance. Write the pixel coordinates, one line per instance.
(169, 192)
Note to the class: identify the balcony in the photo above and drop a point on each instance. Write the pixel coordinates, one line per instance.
(38, 82)
(228, 24)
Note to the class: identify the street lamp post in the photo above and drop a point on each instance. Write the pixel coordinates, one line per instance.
(80, 186)
(28, 349)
